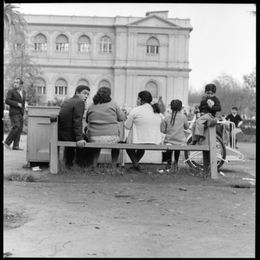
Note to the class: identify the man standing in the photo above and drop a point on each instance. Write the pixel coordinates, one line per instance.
(70, 123)
(237, 120)
(15, 98)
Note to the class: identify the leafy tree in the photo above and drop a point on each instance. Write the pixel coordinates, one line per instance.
(250, 80)
(19, 63)
(230, 93)
(14, 22)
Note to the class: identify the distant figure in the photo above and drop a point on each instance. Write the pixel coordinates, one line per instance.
(102, 118)
(173, 127)
(237, 120)
(70, 123)
(15, 98)
(161, 105)
(208, 107)
(144, 126)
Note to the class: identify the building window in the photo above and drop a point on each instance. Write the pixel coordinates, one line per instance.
(84, 44)
(83, 82)
(152, 46)
(61, 87)
(18, 42)
(62, 43)
(152, 87)
(104, 83)
(105, 45)
(40, 86)
(40, 43)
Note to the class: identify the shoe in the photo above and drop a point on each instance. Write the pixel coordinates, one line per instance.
(17, 148)
(7, 146)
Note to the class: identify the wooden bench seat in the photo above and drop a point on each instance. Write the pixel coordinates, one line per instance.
(209, 150)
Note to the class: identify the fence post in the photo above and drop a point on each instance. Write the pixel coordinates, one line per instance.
(213, 153)
(54, 156)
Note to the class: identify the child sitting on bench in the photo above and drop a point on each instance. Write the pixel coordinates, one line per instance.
(208, 108)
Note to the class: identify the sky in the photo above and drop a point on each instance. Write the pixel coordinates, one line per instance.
(223, 39)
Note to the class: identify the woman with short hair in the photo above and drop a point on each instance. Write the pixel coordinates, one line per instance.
(102, 118)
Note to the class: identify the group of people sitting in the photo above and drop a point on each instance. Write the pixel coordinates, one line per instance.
(145, 123)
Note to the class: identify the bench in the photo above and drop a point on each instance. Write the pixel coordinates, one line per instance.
(209, 150)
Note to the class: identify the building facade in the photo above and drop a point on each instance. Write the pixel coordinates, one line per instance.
(127, 54)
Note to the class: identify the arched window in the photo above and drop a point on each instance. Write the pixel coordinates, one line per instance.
(40, 86)
(152, 87)
(105, 45)
(19, 41)
(83, 82)
(40, 42)
(61, 87)
(62, 43)
(152, 46)
(83, 44)
(104, 83)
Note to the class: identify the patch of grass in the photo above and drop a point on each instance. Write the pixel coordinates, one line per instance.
(25, 177)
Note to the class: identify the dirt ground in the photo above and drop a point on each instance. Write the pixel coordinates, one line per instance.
(80, 214)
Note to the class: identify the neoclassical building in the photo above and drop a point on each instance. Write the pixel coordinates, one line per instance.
(127, 54)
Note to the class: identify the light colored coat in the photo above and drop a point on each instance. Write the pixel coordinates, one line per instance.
(144, 125)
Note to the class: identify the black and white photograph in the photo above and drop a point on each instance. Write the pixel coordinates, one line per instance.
(129, 130)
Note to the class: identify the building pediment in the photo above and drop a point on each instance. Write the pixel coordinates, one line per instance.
(153, 21)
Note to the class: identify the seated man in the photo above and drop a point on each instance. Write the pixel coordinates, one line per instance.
(70, 123)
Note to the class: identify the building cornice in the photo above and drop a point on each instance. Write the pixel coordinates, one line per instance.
(125, 67)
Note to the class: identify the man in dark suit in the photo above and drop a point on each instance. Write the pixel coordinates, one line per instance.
(70, 123)
(15, 98)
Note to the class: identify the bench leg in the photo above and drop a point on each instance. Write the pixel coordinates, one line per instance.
(54, 158)
(206, 162)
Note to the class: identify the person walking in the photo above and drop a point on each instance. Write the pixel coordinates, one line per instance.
(15, 98)
(144, 125)
(70, 123)
(173, 127)
(102, 118)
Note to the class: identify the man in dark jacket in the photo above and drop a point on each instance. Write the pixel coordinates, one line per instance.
(15, 98)
(70, 122)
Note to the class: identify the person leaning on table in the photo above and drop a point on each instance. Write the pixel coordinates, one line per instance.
(70, 123)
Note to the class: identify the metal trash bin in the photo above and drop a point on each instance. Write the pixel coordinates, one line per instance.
(38, 133)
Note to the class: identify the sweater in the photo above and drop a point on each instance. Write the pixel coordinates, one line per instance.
(175, 134)
(102, 119)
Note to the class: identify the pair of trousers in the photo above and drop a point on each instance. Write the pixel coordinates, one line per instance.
(81, 156)
(16, 131)
(168, 156)
(135, 155)
(198, 127)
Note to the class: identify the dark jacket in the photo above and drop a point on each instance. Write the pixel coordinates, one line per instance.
(70, 120)
(12, 99)
(204, 107)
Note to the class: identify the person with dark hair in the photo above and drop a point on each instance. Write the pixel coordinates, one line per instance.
(102, 118)
(237, 120)
(208, 108)
(70, 123)
(15, 98)
(144, 126)
(173, 127)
